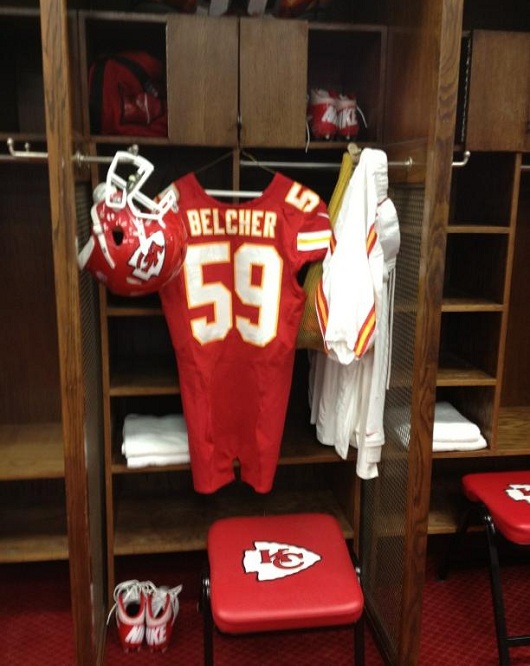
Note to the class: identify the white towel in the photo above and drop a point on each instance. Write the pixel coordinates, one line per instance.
(451, 426)
(157, 461)
(154, 435)
(479, 443)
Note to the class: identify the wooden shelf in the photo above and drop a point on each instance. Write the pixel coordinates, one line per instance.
(33, 533)
(446, 506)
(513, 431)
(133, 311)
(464, 376)
(468, 304)
(180, 522)
(140, 306)
(444, 514)
(442, 520)
(476, 453)
(119, 466)
(31, 451)
(299, 447)
(144, 380)
(477, 229)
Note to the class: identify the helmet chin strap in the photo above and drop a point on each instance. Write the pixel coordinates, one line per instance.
(100, 235)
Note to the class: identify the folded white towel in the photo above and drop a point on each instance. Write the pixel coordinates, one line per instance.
(157, 461)
(154, 435)
(479, 443)
(452, 426)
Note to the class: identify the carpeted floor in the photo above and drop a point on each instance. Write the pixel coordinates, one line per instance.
(457, 621)
(36, 627)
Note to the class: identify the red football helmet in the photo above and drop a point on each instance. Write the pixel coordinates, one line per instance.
(136, 245)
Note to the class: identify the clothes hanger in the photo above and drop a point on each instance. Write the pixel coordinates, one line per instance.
(256, 162)
(243, 193)
(221, 193)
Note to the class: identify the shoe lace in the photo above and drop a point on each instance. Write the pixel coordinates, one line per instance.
(158, 600)
(360, 112)
(130, 591)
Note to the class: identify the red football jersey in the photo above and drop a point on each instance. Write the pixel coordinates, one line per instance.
(233, 315)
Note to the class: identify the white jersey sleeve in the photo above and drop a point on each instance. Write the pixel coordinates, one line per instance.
(352, 279)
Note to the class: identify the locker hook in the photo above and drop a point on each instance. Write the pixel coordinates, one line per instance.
(79, 158)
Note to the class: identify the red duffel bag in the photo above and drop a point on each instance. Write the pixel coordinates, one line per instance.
(127, 95)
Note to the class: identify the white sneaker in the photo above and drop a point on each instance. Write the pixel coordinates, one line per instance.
(162, 608)
(322, 113)
(130, 606)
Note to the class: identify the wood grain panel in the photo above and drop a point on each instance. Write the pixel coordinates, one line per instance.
(273, 82)
(412, 53)
(55, 57)
(29, 366)
(499, 93)
(33, 534)
(516, 380)
(422, 84)
(513, 431)
(202, 74)
(31, 451)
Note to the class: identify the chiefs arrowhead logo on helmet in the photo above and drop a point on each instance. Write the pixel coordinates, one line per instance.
(148, 258)
(271, 560)
(136, 245)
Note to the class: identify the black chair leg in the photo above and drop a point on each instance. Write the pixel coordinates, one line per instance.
(358, 631)
(359, 641)
(206, 610)
(496, 590)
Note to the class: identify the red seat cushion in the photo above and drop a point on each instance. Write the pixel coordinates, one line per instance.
(281, 572)
(507, 496)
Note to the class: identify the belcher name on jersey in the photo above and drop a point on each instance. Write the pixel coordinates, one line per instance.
(244, 222)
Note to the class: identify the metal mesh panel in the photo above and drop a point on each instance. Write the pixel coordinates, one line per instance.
(384, 498)
(93, 397)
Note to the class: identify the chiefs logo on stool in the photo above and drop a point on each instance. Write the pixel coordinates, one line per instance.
(271, 560)
(519, 492)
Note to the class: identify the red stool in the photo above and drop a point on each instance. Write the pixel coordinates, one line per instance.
(275, 573)
(502, 500)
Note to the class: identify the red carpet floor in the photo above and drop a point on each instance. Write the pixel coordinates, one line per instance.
(36, 626)
(457, 623)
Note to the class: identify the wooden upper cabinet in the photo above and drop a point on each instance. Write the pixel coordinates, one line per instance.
(202, 80)
(273, 82)
(236, 82)
(499, 93)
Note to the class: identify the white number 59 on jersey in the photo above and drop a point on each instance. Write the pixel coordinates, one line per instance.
(265, 297)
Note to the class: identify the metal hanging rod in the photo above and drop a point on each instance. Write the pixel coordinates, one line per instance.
(271, 164)
(37, 156)
(234, 193)
(405, 164)
(29, 155)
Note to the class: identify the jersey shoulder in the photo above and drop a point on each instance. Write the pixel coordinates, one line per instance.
(299, 199)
